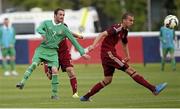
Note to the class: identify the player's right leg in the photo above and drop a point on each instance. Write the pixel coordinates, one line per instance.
(173, 60)
(28, 73)
(4, 62)
(73, 81)
(47, 70)
(96, 88)
(5, 67)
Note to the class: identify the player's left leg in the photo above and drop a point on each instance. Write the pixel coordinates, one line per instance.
(4, 61)
(173, 60)
(73, 80)
(12, 61)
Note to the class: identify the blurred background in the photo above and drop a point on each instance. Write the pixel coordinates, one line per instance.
(149, 14)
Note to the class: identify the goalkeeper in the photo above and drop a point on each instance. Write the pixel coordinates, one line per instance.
(167, 37)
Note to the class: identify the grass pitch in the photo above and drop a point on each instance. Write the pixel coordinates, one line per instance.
(123, 92)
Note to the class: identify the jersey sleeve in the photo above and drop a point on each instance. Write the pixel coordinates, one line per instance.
(14, 37)
(161, 36)
(73, 41)
(1, 36)
(41, 29)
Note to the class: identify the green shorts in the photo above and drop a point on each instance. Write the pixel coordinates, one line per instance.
(168, 50)
(46, 54)
(8, 52)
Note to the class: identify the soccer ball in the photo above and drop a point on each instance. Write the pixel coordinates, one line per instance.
(171, 21)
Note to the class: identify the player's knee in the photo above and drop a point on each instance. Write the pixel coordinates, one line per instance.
(107, 81)
(72, 76)
(131, 71)
(70, 71)
(3, 59)
(32, 66)
(12, 58)
(125, 67)
(54, 70)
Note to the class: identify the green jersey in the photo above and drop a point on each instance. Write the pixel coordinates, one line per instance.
(54, 34)
(167, 37)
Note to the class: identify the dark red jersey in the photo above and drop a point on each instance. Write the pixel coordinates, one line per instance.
(63, 46)
(115, 34)
(64, 55)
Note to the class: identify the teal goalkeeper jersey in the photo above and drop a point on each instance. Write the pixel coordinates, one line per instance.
(54, 34)
(167, 37)
(7, 36)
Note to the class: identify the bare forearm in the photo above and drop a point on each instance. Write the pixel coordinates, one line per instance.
(98, 39)
(77, 35)
(126, 50)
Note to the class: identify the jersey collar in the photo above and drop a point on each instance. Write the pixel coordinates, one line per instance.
(55, 23)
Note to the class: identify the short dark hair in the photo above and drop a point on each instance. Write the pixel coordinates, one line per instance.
(125, 15)
(58, 9)
(6, 18)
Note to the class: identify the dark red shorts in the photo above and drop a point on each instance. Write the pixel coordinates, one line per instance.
(111, 61)
(65, 60)
(64, 55)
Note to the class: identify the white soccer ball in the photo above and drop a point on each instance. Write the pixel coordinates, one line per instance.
(171, 21)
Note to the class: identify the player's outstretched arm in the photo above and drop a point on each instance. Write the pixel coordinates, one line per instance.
(97, 40)
(69, 35)
(126, 51)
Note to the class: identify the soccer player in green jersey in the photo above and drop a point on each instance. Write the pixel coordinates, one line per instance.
(7, 45)
(53, 32)
(167, 37)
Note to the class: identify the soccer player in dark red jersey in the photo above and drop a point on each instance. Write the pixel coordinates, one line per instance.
(111, 61)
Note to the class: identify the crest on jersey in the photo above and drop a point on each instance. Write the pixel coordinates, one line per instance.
(60, 32)
(117, 29)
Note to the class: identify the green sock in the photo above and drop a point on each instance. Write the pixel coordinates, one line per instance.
(173, 63)
(12, 64)
(4, 65)
(54, 84)
(162, 64)
(28, 72)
